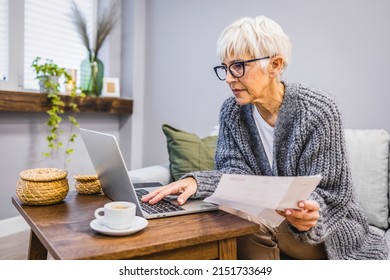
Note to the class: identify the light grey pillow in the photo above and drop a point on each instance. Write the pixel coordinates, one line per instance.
(368, 153)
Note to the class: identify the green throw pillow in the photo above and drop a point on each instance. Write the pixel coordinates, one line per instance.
(187, 152)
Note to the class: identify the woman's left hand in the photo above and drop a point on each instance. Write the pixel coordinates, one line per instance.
(304, 218)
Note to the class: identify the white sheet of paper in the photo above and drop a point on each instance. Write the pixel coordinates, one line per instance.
(260, 196)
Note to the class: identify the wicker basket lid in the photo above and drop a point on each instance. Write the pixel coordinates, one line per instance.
(85, 177)
(43, 174)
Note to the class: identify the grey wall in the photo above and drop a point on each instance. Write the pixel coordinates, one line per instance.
(341, 47)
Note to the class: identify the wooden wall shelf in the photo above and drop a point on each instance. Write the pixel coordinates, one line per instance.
(20, 101)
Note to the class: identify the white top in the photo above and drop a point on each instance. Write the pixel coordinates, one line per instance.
(266, 133)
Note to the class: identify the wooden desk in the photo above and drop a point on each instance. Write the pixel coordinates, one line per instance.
(63, 231)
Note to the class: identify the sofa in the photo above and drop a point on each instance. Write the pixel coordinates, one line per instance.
(368, 154)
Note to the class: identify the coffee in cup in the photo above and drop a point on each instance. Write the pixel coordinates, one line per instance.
(120, 207)
(117, 215)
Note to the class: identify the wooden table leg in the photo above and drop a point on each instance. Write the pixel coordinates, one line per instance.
(228, 249)
(36, 250)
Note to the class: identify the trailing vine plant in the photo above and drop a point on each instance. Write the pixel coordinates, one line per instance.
(48, 73)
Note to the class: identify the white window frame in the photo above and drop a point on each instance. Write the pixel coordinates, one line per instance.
(110, 57)
(15, 46)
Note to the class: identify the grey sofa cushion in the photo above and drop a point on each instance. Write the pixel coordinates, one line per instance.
(368, 153)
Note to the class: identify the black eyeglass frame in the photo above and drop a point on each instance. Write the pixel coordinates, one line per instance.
(225, 67)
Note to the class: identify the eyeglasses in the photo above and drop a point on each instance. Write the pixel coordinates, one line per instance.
(236, 69)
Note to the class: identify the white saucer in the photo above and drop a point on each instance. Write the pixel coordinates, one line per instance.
(139, 224)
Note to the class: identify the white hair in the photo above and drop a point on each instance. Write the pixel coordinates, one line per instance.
(258, 37)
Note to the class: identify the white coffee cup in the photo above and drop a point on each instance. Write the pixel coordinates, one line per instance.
(117, 215)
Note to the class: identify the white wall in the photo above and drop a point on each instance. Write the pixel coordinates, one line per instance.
(341, 47)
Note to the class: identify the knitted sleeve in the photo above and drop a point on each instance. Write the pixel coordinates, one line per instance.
(228, 155)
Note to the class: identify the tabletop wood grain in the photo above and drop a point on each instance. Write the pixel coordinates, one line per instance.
(63, 229)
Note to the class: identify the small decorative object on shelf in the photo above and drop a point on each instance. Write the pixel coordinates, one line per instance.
(71, 84)
(87, 184)
(111, 87)
(42, 186)
(92, 69)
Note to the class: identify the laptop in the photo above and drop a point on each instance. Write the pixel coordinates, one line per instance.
(110, 167)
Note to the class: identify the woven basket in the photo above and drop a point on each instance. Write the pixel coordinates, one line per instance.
(87, 184)
(42, 186)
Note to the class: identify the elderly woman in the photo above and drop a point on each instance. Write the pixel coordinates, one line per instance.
(276, 128)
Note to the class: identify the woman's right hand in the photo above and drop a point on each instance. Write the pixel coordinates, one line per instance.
(183, 188)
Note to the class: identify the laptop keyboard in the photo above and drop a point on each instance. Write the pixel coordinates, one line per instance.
(163, 206)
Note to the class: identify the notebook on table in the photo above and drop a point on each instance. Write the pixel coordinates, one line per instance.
(110, 167)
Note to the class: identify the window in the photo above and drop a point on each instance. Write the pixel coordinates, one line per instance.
(50, 34)
(31, 28)
(4, 39)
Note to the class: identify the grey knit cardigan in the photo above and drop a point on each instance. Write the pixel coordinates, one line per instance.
(308, 140)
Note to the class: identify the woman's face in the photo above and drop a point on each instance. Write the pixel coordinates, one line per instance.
(250, 87)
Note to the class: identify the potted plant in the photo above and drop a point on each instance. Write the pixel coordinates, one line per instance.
(49, 74)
